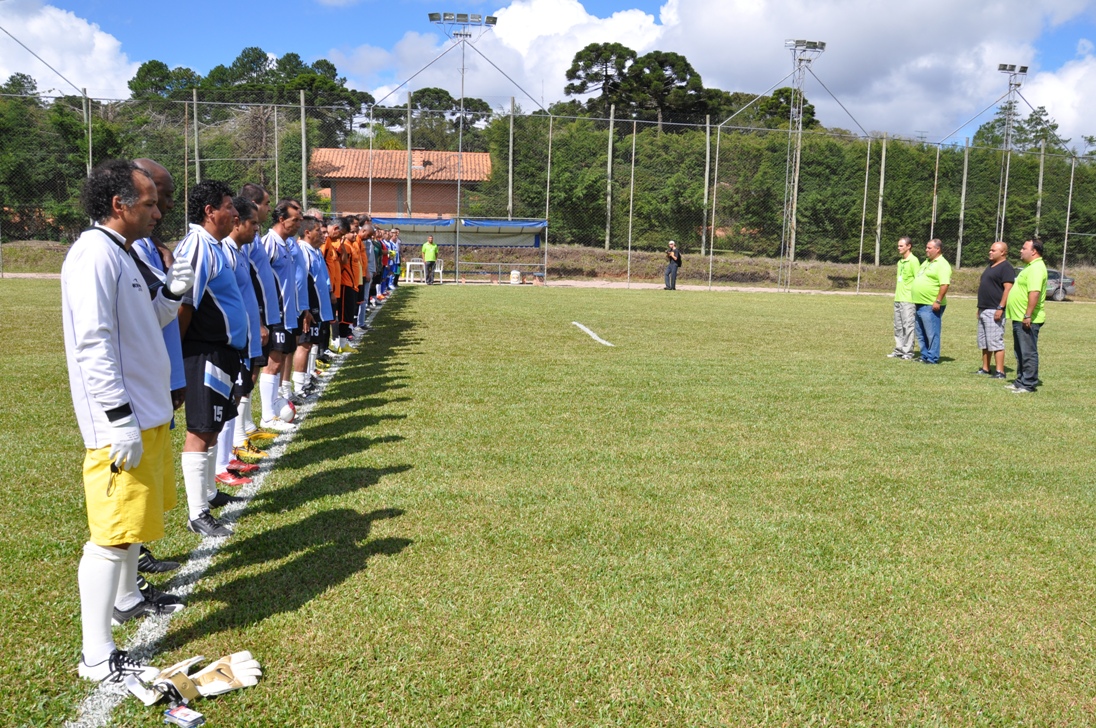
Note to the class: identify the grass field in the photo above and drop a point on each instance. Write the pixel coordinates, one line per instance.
(740, 514)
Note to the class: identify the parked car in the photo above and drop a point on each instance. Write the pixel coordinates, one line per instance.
(1057, 287)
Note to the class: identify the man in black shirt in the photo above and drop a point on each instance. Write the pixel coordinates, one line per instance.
(673, 262)
(997, 279)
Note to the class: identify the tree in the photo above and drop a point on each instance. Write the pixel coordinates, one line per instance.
(775, 111)
(20, 84)
(601, 68)
(439, 121)
(154, 79)
(663, 82)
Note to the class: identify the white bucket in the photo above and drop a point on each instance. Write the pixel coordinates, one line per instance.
(515, 277)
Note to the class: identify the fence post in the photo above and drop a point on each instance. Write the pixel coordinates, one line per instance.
(863, 216)
(962, 204)
(510, 189)
(548, 195)
(87, 121)
(631, 202)
(277, 156)
(935, 188)
(715, 189)
(1039, 193)
(879, 210)
(609, 178)
(304, 155)
(369, 205)
(1069, 210)
(407, 204)
(197, 156)
(707, 173)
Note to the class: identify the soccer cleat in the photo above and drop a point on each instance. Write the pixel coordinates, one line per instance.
(1020, 390)
(344, 349)
(262, 436)
(149, 564)
(983, 372)
(232, 480)
(247, 452)
(322, 363)
(907, 357)
(241, 468)
(278, 424)
(997, 375)
(894, 355)
(116, 668)
(153, 594)
(207, 525)
(146, 608)
(223, 499)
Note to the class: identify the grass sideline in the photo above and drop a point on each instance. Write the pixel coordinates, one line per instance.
(742, 513)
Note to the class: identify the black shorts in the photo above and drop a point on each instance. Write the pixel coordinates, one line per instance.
(211, 377)
(281, 340)
(259, 362)
(246, 382)
(311, 335)
(349, 307)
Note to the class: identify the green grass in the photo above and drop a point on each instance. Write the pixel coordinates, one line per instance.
(741, 514)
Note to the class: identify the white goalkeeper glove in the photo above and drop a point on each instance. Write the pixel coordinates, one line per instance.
(238, 670)
(126, 447)
(180, 278)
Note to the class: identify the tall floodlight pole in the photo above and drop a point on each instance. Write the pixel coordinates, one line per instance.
(458, 27)
(1015, 79)
(803, 54)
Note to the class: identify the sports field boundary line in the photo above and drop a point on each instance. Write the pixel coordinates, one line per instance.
(593, 336)
(96, 710)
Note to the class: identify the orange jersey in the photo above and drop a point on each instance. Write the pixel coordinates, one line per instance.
(330, 250)
(351, 263)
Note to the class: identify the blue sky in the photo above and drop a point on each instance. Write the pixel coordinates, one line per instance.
(899, 67)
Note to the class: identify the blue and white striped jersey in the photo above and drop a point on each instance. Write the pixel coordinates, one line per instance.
(262, 278)
(219, 313)
(319, 281)
(237, 258)
(150, 256)
(284, 266)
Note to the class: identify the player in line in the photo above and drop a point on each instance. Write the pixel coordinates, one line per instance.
(120, 380)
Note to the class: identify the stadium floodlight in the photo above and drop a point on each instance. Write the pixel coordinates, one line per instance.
(1023, 69)
(490, 20)
(462, 17)
(449, 17)
(435, 17)
(476, 19)
(1003, 67)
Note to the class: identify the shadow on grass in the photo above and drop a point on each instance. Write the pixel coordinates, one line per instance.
(325, 484)
(319, 552)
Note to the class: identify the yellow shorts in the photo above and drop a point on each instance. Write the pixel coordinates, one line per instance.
(128, 506)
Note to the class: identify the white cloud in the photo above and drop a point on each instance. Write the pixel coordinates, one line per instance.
(80, 50)
(902, 68)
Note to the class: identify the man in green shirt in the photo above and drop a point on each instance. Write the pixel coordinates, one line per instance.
(929, 291)
(430, 258)
(1025, 309)
(904, 310)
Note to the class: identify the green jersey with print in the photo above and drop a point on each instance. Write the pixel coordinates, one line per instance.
(907, 271)
(1032, 278)
(930, 276)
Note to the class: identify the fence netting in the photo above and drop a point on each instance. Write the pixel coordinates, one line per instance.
(602, 183)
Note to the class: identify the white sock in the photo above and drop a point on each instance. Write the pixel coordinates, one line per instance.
(268, 392)
(300, 379)
(239, 430)
(194, 473)
(312, 354)
(224, 445)
(98, 575)
(249, 419)
(127, 596)
(285, 390)
(211, 475)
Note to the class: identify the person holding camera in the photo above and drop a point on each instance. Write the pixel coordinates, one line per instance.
(673, 262)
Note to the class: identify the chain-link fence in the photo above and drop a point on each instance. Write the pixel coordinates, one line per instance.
(602, 183)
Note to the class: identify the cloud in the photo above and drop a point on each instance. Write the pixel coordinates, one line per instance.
(908, 69)
(80, 50)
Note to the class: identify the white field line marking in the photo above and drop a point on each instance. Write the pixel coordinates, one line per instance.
(593, 336)
(96, 709)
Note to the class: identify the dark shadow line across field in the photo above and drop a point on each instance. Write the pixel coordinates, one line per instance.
(322, 551)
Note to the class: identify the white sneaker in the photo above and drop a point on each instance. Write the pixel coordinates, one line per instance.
(277, 424)
(115, 669)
